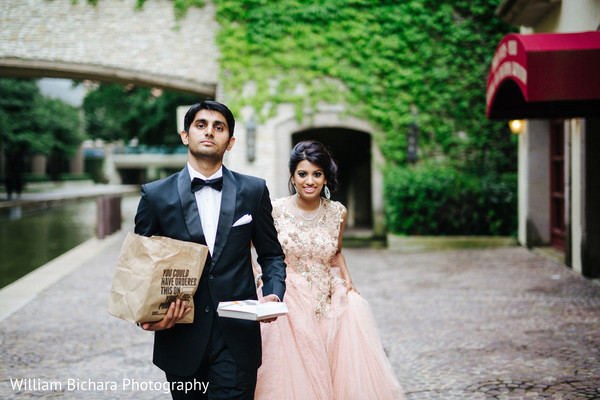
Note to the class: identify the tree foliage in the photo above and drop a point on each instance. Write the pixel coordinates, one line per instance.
(31, 123)
(115, 112)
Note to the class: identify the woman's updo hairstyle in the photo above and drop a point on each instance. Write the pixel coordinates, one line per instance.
(315, 153)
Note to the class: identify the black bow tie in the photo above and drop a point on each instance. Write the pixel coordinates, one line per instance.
(216, 184)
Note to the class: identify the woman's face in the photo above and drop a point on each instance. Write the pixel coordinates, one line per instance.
(309, 180)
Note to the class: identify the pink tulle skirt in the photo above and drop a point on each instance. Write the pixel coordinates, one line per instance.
(338, 358)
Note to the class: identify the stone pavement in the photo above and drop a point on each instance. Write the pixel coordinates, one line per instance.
(499, 323)
(484, 324)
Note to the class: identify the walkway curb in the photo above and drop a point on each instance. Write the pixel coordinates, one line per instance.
(418, 244)
(27, 288)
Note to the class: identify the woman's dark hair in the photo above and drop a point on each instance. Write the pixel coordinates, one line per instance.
(212, 106)
(315, 153)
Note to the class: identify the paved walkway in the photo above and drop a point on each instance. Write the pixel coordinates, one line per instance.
(467, 324)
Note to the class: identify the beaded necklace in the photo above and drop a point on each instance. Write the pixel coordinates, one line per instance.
(300, 211)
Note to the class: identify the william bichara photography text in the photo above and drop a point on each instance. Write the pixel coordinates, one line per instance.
(37, 385)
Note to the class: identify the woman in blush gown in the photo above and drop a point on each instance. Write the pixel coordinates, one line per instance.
(328, 346)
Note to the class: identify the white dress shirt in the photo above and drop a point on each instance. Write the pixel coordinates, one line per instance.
(209, 206)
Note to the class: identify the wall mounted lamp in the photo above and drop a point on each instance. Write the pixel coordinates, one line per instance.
(412, 142)
(516, 125)
(251, 140)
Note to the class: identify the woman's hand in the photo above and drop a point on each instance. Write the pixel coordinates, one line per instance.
(176, 311)
(350, 287)
(338, 261)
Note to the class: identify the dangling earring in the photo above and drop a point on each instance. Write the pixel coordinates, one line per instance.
(292, 187)
(327, 192)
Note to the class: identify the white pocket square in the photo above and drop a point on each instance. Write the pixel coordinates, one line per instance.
(246, 219)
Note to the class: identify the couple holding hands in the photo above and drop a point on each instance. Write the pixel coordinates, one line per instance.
(328, 346)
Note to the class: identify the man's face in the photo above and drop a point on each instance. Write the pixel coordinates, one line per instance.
(208, 135)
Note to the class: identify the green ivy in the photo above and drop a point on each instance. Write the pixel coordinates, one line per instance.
(392, 63)
(180, 6)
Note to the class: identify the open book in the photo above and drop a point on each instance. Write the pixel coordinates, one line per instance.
(251, 309)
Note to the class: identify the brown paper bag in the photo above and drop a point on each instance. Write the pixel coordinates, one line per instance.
(151, 273)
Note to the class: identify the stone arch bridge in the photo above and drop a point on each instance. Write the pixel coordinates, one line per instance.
(111, 41)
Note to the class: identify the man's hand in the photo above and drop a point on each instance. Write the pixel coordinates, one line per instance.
(270, 297)
(176, 311)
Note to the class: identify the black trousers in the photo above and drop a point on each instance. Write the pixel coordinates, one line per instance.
(219, 375)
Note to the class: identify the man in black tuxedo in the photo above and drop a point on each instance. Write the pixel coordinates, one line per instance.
(209, 204)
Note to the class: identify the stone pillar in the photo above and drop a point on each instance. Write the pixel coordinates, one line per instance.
(576, 178)
(76, 164)
(152, 173)
(534, 184)
(377, 198)
(110, 170)
(38, 164)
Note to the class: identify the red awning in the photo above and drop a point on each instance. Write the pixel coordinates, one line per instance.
(545, 75)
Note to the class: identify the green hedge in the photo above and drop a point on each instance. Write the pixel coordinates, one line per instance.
(74, 177)
(36, 178)
(439, 200)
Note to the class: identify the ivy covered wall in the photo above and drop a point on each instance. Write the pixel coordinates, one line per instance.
(390, 63)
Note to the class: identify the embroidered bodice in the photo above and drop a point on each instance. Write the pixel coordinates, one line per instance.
(309, 246)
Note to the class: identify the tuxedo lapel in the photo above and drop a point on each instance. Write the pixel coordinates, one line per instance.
(189, 206)
(228, 201)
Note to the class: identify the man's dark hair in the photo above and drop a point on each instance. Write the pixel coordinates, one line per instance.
(213, 106)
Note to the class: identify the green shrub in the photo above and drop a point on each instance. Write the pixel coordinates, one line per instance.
(35, 178)
(74, 177)
(439, 200)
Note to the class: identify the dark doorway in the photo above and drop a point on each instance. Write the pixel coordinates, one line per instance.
(132, 176)
(352, 151)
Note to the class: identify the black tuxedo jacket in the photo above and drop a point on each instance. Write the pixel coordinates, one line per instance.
(168, 208)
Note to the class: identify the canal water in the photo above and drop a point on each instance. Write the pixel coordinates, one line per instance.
(37, 237)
